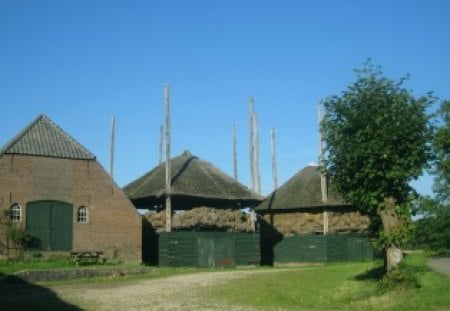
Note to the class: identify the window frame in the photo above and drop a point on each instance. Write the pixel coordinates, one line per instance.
(82, 215)
(15, 213)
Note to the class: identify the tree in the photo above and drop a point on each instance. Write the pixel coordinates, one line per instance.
(433, 229)
(441, 145)
(378, 139)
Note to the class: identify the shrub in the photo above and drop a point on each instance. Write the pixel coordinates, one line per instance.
(405, 276)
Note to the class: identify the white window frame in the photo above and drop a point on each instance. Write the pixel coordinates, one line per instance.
(84, 217)
(15, 212)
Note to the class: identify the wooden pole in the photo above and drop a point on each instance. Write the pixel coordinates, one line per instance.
(323, 177)
(235, 161)
(252, 144)
(168, 174)
(274, 159)
(161, 143)
(257, 156)
(111, 148)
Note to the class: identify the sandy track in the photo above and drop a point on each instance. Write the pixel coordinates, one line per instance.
(183, 292)
(441, 265)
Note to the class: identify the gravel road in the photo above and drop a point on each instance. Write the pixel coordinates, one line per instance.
(441, 265)
(183, 292)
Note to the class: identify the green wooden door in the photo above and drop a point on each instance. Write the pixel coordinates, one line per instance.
(224, 252)
(215, 251)
(50, 224)
(205, 252)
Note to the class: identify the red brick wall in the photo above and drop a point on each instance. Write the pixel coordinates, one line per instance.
(114, 225)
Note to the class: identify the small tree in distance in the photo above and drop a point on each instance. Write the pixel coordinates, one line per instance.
(378, 138)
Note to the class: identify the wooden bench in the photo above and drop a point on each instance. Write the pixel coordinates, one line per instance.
(87, 257)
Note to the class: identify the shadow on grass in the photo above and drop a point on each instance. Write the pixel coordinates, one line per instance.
(17, 294)
(374, 274)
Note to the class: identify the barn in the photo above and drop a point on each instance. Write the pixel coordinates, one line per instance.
(208, 226)
(298, 226)
(57, 191)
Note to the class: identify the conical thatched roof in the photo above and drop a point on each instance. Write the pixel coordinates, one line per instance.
(301, 191)
(194, 183)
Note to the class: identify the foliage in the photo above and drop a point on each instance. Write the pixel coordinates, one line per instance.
(378, 139)
(433, 229)
(405, 276)
(441, 145)
(16, 235)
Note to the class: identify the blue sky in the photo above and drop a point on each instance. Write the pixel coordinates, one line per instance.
(81, 62)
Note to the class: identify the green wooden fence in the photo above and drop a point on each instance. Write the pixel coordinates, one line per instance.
(208, 249)
(315, 248)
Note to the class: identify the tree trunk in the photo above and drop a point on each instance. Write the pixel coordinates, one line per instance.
(391, 222)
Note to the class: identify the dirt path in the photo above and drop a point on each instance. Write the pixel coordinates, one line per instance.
(183, 292)
(441, 265)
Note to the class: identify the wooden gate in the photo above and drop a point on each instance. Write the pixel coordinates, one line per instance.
(215, 251)
(50, 224)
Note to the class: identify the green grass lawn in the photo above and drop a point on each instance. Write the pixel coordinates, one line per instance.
(340, 286)
(334, 286)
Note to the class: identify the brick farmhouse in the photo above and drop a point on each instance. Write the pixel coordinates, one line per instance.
(56, 190)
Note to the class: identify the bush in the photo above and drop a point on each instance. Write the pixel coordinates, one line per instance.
(405, 276)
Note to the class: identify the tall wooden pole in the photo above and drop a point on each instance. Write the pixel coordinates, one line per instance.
(111, 148)
(168, 174)
(274, 159)
(235, 161)
(257, 156)
(251, 112)
(161, 143)
(323, 178)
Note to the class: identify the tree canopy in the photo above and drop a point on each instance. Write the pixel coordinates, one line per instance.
(377, 136)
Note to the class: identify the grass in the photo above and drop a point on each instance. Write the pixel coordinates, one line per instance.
(8, 267)
(334, 286)
(345, 286)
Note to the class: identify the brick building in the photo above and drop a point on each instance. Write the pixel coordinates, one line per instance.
(55, 189)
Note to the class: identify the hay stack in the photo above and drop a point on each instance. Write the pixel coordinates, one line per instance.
(203, 218)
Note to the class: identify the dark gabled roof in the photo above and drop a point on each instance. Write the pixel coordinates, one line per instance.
(194, 182)
(44, 138)
(301, 191)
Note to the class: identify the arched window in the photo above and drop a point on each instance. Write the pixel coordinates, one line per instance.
(15, 213)
(82, 214)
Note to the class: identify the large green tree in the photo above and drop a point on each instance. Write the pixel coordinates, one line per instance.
(378, 138)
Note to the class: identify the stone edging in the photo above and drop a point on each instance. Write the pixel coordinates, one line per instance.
(33, 276)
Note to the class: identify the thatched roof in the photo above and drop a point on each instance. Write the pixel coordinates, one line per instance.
(44, 138)
(301, 191)
(194, 183)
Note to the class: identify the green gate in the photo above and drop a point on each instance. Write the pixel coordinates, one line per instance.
(50, 225)
(215, 251)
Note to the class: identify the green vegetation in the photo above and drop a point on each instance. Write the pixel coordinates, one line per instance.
(348, 286)
(12, 266)
(433, 229)
(378, 138)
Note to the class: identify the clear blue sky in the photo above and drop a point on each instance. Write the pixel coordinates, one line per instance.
(81, 62)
